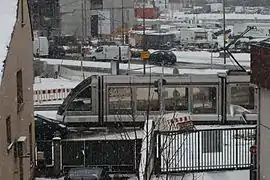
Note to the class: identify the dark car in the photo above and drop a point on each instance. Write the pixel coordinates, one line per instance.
(162, 57)
(87, 174)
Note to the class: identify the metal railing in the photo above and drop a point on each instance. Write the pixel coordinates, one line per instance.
(117, 156)
(204, 150)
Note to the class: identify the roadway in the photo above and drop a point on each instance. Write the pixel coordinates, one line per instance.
(179, 65)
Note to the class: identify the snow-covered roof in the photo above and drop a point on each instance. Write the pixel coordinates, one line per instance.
(8, 13)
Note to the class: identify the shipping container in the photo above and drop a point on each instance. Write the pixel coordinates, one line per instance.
(149, 13)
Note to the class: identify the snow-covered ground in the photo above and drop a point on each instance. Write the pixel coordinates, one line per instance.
(223, 175)
(50, 83)
(8, 13)
(205, 57)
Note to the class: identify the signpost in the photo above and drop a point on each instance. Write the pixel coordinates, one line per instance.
(145, 55)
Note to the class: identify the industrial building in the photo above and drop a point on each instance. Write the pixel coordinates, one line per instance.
(16, 93)
(45, 16)
(94, 18)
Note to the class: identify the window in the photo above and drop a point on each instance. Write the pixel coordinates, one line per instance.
(31, 142)
(99, 49)
(83, 101)
(142, 99)
(8, 130)
(120, 100)
(19, 90)
(22, 13)
(243, 96)
(204, 100)
(212, 141)
(177, 99)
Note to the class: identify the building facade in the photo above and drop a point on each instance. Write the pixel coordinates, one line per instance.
(16, 100)
(45, 15)
(91, 18)
(260, 55)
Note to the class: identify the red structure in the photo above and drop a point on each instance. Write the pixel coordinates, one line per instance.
(149, 13)
(260, 65)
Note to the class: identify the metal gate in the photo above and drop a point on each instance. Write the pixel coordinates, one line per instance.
(204, 150)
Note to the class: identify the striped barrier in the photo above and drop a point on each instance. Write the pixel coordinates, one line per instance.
(50, 95)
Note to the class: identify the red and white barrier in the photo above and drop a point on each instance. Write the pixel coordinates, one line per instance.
(50, 95)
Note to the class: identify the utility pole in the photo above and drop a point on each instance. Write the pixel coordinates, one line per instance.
(83, 35)
(123, 25)
(224, 33)
(144, 38)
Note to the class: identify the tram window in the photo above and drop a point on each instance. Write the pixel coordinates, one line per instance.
(83, 102)
(243, 96)
(177, 99)
(142, 99)
(204, 100)
(119, 100)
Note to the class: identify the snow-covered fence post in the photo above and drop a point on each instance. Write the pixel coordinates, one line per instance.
(57, 156)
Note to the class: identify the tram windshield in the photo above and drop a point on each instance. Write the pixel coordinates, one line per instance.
(83, 102)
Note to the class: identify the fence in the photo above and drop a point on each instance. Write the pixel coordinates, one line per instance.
(46, 147)
(50, 95)
(121, 156)
(204, 150)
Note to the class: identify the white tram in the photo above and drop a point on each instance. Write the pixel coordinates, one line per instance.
(125, 98)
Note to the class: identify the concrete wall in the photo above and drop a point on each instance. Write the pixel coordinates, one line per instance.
(264, 135)
(116, 8)
(20, 57)
(71, 15)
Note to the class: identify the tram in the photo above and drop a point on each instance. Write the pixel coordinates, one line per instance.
(102, 99)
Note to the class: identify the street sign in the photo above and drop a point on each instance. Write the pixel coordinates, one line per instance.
(145, 55)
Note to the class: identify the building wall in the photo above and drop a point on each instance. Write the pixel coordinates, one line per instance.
(19, 57)
(71, 15)
(115, 6)
(264, 135)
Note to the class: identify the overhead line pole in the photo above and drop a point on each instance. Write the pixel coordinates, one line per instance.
(144, 39)
(123, 26)
(83, 35)
(224, 33)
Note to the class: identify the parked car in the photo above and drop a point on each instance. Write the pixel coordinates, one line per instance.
(162, 57)
(87, 174)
